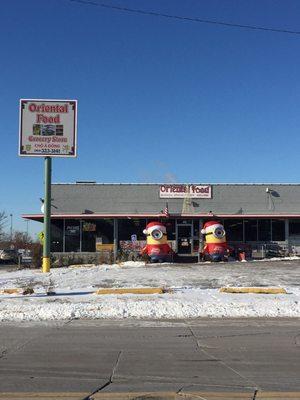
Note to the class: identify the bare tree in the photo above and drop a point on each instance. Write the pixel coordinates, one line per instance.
(21, 240)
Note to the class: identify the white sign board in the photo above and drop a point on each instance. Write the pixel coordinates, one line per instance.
(48, 128)
(182, 191)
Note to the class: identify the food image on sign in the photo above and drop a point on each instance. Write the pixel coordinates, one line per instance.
(48, 128)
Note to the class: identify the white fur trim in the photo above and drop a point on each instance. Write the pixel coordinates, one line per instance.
(159, 227)
(211, 228)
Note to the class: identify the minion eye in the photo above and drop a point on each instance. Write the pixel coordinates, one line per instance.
(219, 233)
(156, 234)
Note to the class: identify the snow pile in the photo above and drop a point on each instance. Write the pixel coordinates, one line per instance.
(195, 292)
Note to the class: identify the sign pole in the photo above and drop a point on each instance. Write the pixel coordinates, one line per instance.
(48, 128)
(47, 216)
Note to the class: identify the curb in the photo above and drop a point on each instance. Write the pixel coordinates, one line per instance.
(255, 290)
(132, 291)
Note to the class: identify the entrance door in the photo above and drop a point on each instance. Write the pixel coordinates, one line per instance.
(184, 239)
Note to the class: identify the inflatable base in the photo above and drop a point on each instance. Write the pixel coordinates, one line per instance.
(160, 259)
(215, 257)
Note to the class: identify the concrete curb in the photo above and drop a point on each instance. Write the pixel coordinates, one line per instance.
(131, 291)
(255, 290)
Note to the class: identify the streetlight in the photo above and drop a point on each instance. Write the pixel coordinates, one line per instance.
(11, 227)
(27, 224)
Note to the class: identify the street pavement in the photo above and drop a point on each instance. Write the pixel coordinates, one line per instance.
(101, 356)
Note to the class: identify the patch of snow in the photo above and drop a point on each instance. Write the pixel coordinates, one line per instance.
(195, 291)
(291, 258)
(189, 303)
(133, 264)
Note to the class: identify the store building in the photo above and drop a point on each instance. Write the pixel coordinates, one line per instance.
(89, 217)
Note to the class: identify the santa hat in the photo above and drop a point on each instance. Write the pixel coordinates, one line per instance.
(154, 225)
(211, 226)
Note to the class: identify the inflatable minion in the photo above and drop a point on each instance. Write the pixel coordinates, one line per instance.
(157, 247)
(216, 248)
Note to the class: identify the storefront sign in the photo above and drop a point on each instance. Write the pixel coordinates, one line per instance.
(182, 191)
(72, 230)
(88, 227)
(48, 128)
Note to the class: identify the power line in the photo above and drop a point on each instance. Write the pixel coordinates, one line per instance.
(182, 18)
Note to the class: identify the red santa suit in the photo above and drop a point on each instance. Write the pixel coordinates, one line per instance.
(216, 248)
(157, 247)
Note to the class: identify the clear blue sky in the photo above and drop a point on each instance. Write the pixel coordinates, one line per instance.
(158, 99)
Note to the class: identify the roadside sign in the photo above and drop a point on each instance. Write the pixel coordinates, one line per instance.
(48, 128)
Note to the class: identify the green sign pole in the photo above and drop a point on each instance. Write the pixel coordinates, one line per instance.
(47, 216)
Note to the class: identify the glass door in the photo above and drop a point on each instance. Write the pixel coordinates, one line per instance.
(184, 239)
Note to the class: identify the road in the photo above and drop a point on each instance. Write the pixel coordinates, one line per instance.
(210, 355)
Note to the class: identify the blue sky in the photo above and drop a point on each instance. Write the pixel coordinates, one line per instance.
(158, 99)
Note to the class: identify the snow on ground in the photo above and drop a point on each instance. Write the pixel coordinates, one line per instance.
(195, 291)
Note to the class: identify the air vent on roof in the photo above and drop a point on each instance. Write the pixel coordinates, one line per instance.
(90, 182)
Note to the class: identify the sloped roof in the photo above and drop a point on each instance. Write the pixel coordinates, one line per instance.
(143, 199)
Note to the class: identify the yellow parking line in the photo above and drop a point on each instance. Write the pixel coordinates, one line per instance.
(11, 291)
(255, 290)
(131, 291)
(43, 396)
(23, 291)
(174, 396)
(277, 395)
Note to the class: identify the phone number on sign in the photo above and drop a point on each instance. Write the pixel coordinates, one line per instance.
(48, 151)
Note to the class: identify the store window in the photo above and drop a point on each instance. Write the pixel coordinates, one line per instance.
(278, 230)
(129, 227)
(234, 230)
(171, 228)
(196, 235)
(264, 230)
(89, 228)
(294, 227)
(72, 235)
(104, 232)
(250, 230)
(57, 235)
